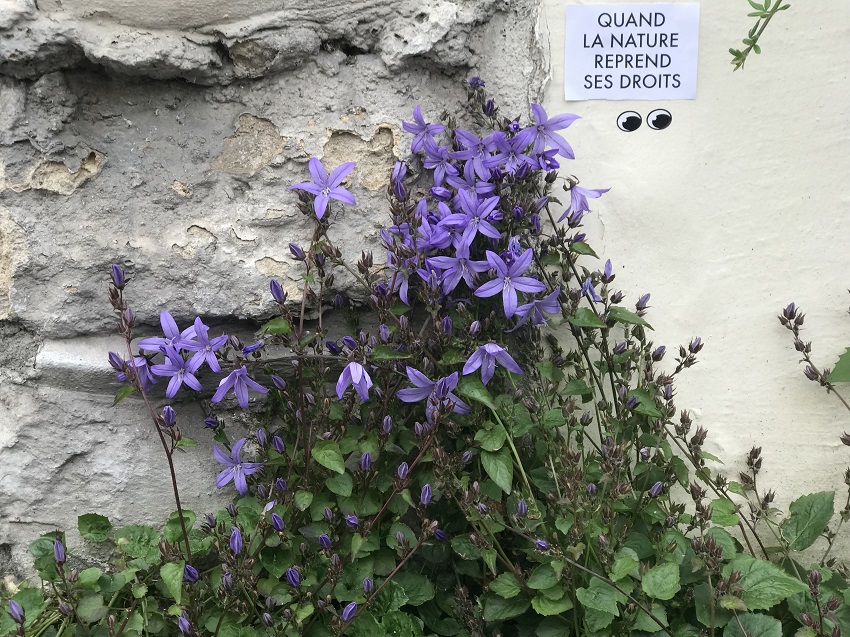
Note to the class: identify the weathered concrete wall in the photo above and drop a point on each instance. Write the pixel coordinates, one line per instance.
(163, 139)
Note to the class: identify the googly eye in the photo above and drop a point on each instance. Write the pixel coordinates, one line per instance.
(629, 121)
(659, 119)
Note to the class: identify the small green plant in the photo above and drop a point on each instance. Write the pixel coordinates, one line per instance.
(764, 13)
(456, 469)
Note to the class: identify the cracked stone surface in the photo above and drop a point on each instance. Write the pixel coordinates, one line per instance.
(163, 136)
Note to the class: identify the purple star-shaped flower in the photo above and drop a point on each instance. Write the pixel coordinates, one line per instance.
(475, 218)
(142, 369)
(469, 182)
(509, 155)
(508, 280)
(181, 371)
(536, 308)
(475, 150)
(588, 290)
(420, 129)
(424, 388)
(173, 335)
(486, 357)
(437, 159)
(326, 187)
(238, 380)
(354, 374)
(457, 267)
(578, 200)
(545, 131)
(204, 347)
(235, 469)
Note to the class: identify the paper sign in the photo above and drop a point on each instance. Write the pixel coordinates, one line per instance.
(631, 51)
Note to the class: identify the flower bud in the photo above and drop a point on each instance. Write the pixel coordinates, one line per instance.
(277, 522)
(293, 577)
(440, 535)
(297, 252)
(387, 425)
(655, 491)
(267, 619)
(117, 276)
(366, 461)
(59, 552)
(235, 540)
(475, 328)
(65, 609)
(16, 612)
(210, 423)
(325, 541)
(190, 574)
(280, 485)
(262, 437)
(591, 488)
(542, 545)
(352, 521)
(522, 508)
(116, 361)
(368, 585)
(425, 496)
(349, 612)
(277, 291)
(168, 417)
(403, 470)
(466, 457)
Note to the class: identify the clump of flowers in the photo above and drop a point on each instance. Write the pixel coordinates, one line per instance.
(455, 469)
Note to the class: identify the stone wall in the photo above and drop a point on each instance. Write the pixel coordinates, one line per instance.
(162, 136)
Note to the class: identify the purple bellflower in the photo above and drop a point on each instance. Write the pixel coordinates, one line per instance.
(588, 290)
(545, 131)
(535, 310)
(354, 374)
(235, 469)
(17, 613)
(508, 280)
(421, 130)
(238, 380)
(476, 151)
(326, 187)
(486, 358)
(349, 612)
(235, 540)
(437, 159)
(457, 267)
(181, 371)
(509, 155)
(424, 388)
(143, 371)
(173, 336)
(578, 200)
(475, 218)
(469, 182)
(204, 347)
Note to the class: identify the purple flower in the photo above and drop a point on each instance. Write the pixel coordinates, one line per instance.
(278, 444)
(173, 336)
(368, 585)
(509, 153)
(181, 371)
(441, 535)
(655, 491)
(352, 521)
(117, 276)
(277, 291)
(424, 388)
(210, 423)
(475, 150)
(578, 200)
(403, 470)
(542, 545)
(238, 381)
(546, 160)
(476, 217)
(457, 268)
(399, 173)
(16, 612)
(190, 574)
(476, 82)
(253, 347)
(204, 347)
(535, 309)
(522, 508)
(262, 437)
(168, 417)
(349, 612)
(544, 131)
(466, 457)
(185, 625)
(277, 522)
(508, 280)
(58, 552)
(588, 290)
(354, 374)
(366, 461)
(437, 159)
(235, 540)
(425, 496)
(236, 470)
(326, 187)
(486, 358)
(421, 130)
(470, 183)
(293, 577)
(325, 541)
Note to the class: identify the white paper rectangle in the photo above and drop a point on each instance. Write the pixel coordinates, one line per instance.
(631, 51)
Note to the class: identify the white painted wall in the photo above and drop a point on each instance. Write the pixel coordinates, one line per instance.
(739, 207)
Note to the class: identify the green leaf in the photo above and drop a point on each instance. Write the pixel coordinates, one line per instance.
(418, 588)
(600, 596)
(506, 585)
(580, 247)
(585, 317)
(471, 387)
(137, 540)
(89, 578)
(276, 326)
(498, 608)
(122, 393)
(91, 608)
(492, 439)
(755, 624)
(139, 590)
(809, 517)
(173, 532)
(625, 563)
(648, 624)
(564, 524)
(736, 488)
(764, 584)
(543, 576)
(340, 484)
(724, 540)
(357, 541)
(499, 467)
(327, 454)
(577, 387)
(185, 442)
(662, 581)
(723, 512)
(545, 606)
(94, 527)
(386, 353)
(841, 372)
(622, 315)
(172, 577)
(489, 557)
(303, 499)
(553, 627)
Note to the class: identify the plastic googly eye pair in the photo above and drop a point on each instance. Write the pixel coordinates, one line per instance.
(630, 121)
